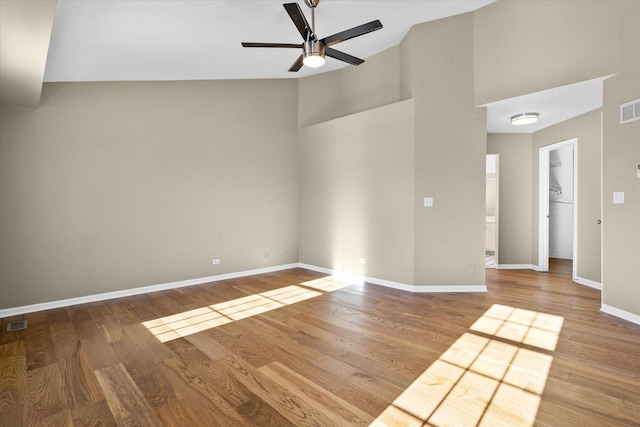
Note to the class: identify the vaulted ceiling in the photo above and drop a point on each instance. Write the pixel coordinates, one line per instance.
(112, 40)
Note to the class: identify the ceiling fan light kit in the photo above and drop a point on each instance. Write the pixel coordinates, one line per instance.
(314, 50)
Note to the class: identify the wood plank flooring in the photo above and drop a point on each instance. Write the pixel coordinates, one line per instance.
(294, 348)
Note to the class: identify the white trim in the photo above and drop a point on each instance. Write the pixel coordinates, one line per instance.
(316, 268)
(543, 203)
(543, 209)
(517, 267)
(137, 291)
(575, 236)
(625, 315)
(352, 278)
(587, 282)
(450, 288)
(560, 256)
(14, 311)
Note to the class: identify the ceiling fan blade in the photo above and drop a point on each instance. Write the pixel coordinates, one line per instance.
(345, 57)
(352, 32)
(297, 65)
(294, 11)
(287, 45)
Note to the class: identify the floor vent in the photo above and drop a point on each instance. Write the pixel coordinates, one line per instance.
(630, 111)
(17, 326)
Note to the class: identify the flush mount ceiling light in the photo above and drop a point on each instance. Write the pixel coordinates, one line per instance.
(524, 119)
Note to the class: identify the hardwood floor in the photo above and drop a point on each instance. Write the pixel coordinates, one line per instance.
(295, 348)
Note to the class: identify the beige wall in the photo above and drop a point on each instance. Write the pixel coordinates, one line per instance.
(356, 198)
(576, 41)
(448, 159)
(25, 33)
(350, 90)
(450, 156)
(491, 195)
(406, 66)
(515, 165)
(529, 45)
(587, 129)
(109, 186)
(99, 193)
(621, 153)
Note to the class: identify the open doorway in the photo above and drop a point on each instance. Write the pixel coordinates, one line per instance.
(557, 219)
(491, 223)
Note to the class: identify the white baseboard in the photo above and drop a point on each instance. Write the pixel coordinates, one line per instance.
(625, 315)
(587, 282)
(517, 267)
(561, 257)
(352, 278)
(137, 291)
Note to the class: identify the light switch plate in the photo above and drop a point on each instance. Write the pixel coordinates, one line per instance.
(428, 201)
(618, 197)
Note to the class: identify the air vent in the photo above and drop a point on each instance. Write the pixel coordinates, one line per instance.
(16, 326)
(630, 111)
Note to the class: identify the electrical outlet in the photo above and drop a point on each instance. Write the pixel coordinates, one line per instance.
(216, 261)
(266, 255)
(363, 260)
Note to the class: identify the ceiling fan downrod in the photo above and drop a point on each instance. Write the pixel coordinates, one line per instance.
(312, 4)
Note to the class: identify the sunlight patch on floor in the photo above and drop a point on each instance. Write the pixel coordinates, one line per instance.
(524, 326)
(481, 381)
(200, 319)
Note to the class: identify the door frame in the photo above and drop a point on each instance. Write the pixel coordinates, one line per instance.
(543, 204)
(497, 208)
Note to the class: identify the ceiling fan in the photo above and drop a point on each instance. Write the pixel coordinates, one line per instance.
(314, 49)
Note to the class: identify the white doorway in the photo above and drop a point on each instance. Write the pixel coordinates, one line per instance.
(558, 200)
(491, 223)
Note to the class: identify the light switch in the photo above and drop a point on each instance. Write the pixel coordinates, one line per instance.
(428, 201)
(618, 197)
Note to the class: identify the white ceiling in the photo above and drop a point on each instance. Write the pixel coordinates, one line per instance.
(107, 40)
(554, 106)
(145, 40)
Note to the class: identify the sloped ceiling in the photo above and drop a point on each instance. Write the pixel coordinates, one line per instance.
(201, 40)
(25, 32)
(143, 40)
(553, 105)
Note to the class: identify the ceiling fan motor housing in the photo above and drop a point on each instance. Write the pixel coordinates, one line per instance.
(314, 48)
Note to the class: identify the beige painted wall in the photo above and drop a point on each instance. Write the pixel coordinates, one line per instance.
(90, 181)
(109, 186)
(450, 156)
(356, 198)
(25, 33)
(406, 66)
(491, 195)
(565, 42)
(576, 41)
(621, 222)
(587, 129)
(350, 90)
(515, 165)
(448, 159)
